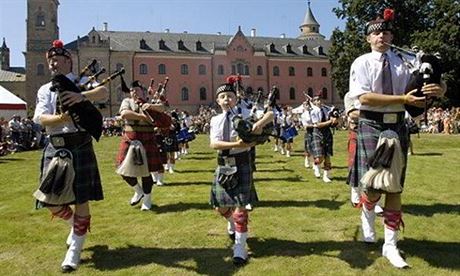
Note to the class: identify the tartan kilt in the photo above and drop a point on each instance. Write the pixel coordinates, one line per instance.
(308, 137)
(321, 142)
(352, 160)
(239, 196)
(149, 142)
(160, 144)
(169, 143)
(87, 183)
(368, 136)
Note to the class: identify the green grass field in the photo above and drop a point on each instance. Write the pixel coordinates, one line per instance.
(301, 226)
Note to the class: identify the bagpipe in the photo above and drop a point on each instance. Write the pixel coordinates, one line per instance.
(425, 69)
(159, 96)
(244, 126)
(84, 113)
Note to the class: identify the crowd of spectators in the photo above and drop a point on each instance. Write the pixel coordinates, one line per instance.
(19, 134)
(446, 121)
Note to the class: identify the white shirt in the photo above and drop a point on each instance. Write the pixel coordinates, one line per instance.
(316, 114)
(366, 77)
(217, 131)
(46, 104)
(305, 118)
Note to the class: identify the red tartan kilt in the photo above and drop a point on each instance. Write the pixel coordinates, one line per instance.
(149, 142)
(352, 142)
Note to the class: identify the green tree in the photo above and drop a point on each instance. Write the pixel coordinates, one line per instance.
(433, 25)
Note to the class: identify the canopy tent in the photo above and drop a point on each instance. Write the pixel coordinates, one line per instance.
(11, 105)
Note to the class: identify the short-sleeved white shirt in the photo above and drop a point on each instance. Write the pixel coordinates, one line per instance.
(366, 77)
(217, 130)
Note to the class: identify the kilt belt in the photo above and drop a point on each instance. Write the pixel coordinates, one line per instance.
(239, 159)
(146, 128)
(66, 140)
(380, 117)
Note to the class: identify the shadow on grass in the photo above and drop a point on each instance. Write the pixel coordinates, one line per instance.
(183, 206)
(275, 170)
(287, 179)
(187, 183)
(10, 159)
(194, 170)
(322, 203)
(430, 210)
(203, 152)
(269, 161)
(198, 157)
(358, 254)
(428, 154)
(207, 261)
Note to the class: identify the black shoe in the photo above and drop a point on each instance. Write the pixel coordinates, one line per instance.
(67, 269)
(237, 261)
(136, 202)
(231, 236)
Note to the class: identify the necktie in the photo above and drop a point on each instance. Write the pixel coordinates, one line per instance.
(226, 133)
(387, 85)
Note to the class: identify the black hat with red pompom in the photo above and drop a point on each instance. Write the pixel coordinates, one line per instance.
(381, 24)
(58, 50)
(230, 85)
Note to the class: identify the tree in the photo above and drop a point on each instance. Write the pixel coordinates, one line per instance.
(433, 25)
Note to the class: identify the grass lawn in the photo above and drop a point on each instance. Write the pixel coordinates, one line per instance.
(301, 226)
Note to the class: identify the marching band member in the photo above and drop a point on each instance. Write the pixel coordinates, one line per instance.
(378, 80)
(231, 189)
(286, 143)
(138, 153)
(307, 123)
(69, 138)
(322, 142)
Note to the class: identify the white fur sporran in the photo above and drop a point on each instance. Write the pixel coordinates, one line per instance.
(388, 161)
(56, 183)
(132, 166)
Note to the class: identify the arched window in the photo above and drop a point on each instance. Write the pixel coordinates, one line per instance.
(323, 72)
(202, 69)
(260, 71)
(40, 20)
(220, 70)
(143, 69)
(203, 95)
(292, 93)
(184, 94)
(276, 71)
(184, 69)
(246, 70)
(291, 71)
(309, 72)
(161, 69)
(310, 92)
(324, 92)
(118, 66)
(40, 70)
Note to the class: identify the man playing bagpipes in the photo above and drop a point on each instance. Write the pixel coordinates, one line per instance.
(138, 153)
(322, 139)
(378, 80)
(69, 172)
(231, 189)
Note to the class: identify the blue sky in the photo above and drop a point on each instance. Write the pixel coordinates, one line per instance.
(77, 17)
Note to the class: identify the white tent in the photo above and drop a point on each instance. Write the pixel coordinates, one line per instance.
(11, 105)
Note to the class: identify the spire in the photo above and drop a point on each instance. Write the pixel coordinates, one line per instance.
(310, 27)
(4, 44)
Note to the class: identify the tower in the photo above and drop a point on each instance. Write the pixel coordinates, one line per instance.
(4, 56)
(42, 30)
(309, 29)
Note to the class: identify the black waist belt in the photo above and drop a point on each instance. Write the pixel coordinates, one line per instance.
(69, 139)
(242, 158)
(383, 117)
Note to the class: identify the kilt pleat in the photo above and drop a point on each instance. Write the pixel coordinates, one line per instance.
(87, 182)
(367, 139)
(239, 196)
(321, 142)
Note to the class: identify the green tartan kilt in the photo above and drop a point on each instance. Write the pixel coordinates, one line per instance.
(368, 137)
(239, 196)
(321, 142)
(87, 183)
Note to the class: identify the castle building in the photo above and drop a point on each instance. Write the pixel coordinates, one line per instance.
(195, 63)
